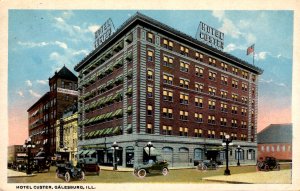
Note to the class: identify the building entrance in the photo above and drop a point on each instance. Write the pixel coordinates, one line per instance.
(212, 155)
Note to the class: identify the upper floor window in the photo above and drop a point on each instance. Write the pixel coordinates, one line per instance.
(212, 91)
(150, 91)
(253, 78)
(168, 95)
(199, 87)
(199, 117)
(211, 134)
(167, 130)
(223, 94)
(168, 79)
(211, 104)
(199, 71)
(212, 76)
(198, 102)
(168, 61)
(149, 110)
(167, 113)
(184, 99)
(234, 123)
(223, 107)
(150, 75)
(199, 56)
(244, 87)
(149, 128)
(212, 61)
(244, 99)
(184, 83)
(234, 83)
(245, 74)
(183, 115)
(168, 44)
(224, 80)
(150, 37)
(184, 67)
(184, 50)
(198, 132)
(183, 131)
(62, 84)
(224, 66)
(223, 121)
(150, 55)
(233, 136)
(211, 119)
(234, 70)
(234, 97)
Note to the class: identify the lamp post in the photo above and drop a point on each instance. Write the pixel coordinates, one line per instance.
(65, 149)
(226, 142)
(115, 162)
(149, 145)
(28, 144)
(238, 150)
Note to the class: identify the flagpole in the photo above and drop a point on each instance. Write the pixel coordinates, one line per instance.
(253, 53)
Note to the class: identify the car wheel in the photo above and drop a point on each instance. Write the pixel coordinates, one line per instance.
(142, 173)
(165, 171)
(203, 167)
(67, 177)
(82, 176)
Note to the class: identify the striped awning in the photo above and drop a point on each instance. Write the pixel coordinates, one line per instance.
(116, 129)
(91, 152)
(85, 152)
(79, 152)
(129, 127)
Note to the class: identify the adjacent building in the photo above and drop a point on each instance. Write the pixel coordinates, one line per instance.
(276, 141)
(150, 82)
(16, 153)
(42, 115)
(66, 134)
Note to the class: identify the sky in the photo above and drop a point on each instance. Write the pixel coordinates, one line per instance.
(42, 41)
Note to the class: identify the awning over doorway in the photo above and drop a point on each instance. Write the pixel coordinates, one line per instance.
(214, 148)
(79, 152)
(91, 152)
(153, 151)
(85, 152)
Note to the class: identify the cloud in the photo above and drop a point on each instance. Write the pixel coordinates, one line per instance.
(219, 14)
(229, 28)
(77, 28)
(261, 55)
(43, 82)
(93, 28)
(34, 94)
(67, 14)
(28, 83)
(266, 81)
(231, 47)
(59, 19)
(33, 44)
(84, 52)
(271, 81)
(61, 44)
(20, 93)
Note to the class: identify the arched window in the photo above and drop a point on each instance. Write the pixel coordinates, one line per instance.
(198, 154)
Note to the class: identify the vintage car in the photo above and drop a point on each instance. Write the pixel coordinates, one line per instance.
(87, 160)
(208, 165)
(269, 163)
(68, 172)
(41, 162)
(152, 167)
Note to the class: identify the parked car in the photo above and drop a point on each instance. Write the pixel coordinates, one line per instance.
(90, 168)
(41, 162)
(68, 172)
(208, 165)
(152, 167)
(269, 163)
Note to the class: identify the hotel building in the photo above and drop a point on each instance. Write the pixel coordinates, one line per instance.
(150, 82)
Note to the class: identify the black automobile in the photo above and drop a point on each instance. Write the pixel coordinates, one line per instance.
(41, 162)
(152, 167)
(208, 165)
(68, 172)
(270, 163)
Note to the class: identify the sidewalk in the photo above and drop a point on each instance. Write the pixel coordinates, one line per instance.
(259, 177)
(13, 174)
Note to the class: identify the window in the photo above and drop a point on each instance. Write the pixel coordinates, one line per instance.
(150, 37)
(233, 136)
(211, 134)
(199, 87)
(211, 120)
(168, 61)
(168, 95)
(224, 66)
(62, 84)
(253, 103)
(234, 109)
(234, 83)
(245, 74)
(267, 148)
(243, 137)
(234, 97)
(223, 94)
(211, 104)
(184, 50)
(253, 78)
(184, 67)
(183, 131)
(54, 86)
(150, 91)
(212, 91)
(184, 83)
(150, 75)
(224, 80)
(262, 148)
(278, 148)
(244, 87)
(167, 113)
(243, 124)
(199, 56)
(234, 123)
(244, 111)
(283, 148)
(198, 102)
(234, 70)
(149, 128)
(199, 71)
(212, 76)
(212, 61)
(198, 132)
(253, 90)
(167, 130)
(222, 135)
(168, 79)
(223, 107)
(223, 121)
(184, 99)
(198, 117)
(184, 115)
(168, 44)
(149, 110)
(244, 99)
(150, 55)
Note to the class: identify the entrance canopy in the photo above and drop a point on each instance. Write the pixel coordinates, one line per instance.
(214, 148)
(153, 151)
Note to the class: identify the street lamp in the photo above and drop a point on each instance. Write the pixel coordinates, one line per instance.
(226, 142)
(238, 150)
(149, 145)
(115, 162)
(28, 144)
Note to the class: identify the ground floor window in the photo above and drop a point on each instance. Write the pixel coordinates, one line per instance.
(251, 154)
(198, 154)
(239, 155)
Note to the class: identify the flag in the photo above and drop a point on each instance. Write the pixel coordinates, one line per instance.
(250, 49)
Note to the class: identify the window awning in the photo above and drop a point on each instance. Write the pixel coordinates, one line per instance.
(79, 152)
(109, 130)
(129, 108)
(91, 152)
(85, 152)
(117, 112)
(101, 132)
(116, 129)
(129, 127)
(153, 151)
(129, 90)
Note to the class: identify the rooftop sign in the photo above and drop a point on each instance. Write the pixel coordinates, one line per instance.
(210, 36)
(104, 32)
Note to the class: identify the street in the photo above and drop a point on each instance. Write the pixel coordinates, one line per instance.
(174, 176)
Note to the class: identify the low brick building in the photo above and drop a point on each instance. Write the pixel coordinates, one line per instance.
(276, 141)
